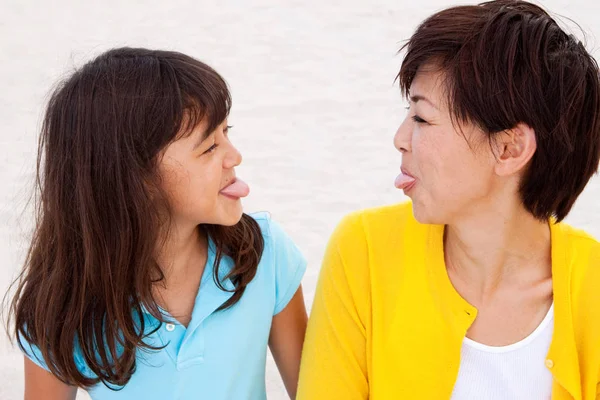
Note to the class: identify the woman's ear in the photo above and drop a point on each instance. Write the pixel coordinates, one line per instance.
(514, 148)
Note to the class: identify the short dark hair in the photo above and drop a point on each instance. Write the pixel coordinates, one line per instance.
(507, 62)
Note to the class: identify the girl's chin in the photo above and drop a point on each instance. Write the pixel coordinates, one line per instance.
(232, 216)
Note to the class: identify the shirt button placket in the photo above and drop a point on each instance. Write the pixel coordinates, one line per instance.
(171, 338)
(192, 349)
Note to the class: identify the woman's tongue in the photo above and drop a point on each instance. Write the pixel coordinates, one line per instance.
(238, 188)
(403, 181)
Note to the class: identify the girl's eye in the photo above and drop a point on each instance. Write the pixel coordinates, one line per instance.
(418, 119)
(226, 130)
(211, 148)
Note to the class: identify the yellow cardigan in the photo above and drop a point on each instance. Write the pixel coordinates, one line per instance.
(387, 323)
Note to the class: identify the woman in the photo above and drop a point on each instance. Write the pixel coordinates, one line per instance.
(475, 289)
(145, 279)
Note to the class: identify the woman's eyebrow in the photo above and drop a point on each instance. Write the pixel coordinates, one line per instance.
(417, 97)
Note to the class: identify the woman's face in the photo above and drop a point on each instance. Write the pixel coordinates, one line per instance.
(198, 175)
(452, 176)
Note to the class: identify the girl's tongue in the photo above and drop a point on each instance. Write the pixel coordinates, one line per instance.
(237, 188)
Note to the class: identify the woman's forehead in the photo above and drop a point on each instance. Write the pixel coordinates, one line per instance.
(429, 86)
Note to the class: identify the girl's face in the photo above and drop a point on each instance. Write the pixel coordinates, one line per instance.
(444, 174)
(198, 175)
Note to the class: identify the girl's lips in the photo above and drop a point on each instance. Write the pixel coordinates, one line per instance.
(236, 189)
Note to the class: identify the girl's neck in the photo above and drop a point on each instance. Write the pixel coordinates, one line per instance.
(183, 252)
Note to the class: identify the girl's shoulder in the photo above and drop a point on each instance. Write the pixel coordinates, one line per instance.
(282, 263)
(276, 239)
(266, 222)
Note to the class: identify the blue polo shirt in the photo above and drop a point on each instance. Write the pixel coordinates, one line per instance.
(220, 355)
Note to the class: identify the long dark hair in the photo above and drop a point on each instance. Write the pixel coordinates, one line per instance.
(90, 269)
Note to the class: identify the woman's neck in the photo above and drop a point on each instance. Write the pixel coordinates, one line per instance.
(487, 249)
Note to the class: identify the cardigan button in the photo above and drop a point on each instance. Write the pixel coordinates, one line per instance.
(549, 363)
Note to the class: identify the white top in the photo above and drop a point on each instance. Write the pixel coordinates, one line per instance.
(512, 372)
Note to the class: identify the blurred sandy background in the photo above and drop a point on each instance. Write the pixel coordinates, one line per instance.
(315, 106)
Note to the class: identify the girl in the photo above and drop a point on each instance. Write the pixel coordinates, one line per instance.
(144, 279)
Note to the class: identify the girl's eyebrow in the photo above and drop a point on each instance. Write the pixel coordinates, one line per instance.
(202, 138)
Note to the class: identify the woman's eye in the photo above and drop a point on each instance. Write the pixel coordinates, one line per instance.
(418, 119)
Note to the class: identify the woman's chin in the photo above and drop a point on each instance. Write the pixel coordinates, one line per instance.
(424, 215)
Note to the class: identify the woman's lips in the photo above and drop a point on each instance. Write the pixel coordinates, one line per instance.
(404, 181)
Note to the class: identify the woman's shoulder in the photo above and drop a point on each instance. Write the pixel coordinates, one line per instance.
(581, 248)
(371, 239)
(578, 277)
(580, 254)
(579, 236)
(390, 214)
(379, 224)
